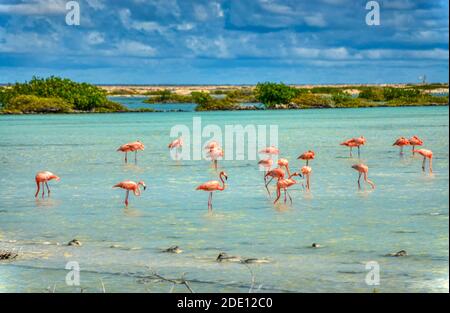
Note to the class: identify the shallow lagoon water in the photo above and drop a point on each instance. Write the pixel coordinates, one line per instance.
(408, 210)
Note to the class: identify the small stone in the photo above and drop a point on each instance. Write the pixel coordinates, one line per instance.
(7, 255)
(74, 242)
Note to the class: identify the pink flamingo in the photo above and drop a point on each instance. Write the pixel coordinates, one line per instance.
(309, 155)
(214, 154)
(354, 142)
(363, 170)
(415, 141)
(285, 184)
(277, 173)
(427, 154)
(212, 145)
(131, 147)
(270, 151)
(212, 186)
(129, 185)
(44, 178)
(306, 171)
(176, 144)
(401, 142)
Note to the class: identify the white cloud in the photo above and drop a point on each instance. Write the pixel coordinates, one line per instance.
(35, 7)
(135, 48)
(95, 38)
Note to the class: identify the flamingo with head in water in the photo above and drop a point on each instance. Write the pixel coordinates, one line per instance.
(43, 178)
(427, 154)
(129, 185)
(363, 170)
(212, 186)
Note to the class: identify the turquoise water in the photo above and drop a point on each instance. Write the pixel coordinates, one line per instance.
(408, 210)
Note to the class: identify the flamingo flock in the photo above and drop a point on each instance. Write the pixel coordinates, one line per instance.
(281, 174)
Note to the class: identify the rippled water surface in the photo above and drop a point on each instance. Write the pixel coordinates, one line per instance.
(408, 210)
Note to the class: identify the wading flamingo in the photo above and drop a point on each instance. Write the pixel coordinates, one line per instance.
(309, 155)
(401, 142)
(129, 185)
(214, 154)
(427, 154)
(270, 151)
(212, 145)
(363, 170)
(277, 173)
(44, 178)
(131, 147)
(354, 142)
(415, 141)
(267, 165)
(285, 184)
(176, 144)
(212, 186)
(306, 171)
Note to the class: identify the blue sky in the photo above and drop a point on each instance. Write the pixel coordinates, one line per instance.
(225, 41)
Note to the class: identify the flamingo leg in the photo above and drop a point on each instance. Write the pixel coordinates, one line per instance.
(210, 201)
(43, 190)
(215, 164)
(431, 165)
(401, 150)
(278, 195)
(359, 152)
(307, 161)
(423, 163)
(290, 198)
(38, 188)
(307, 183)
(126, 157)
(351, 149)
(135, 156)
(267, 185)
(413, 148)
(126, 197)
(359, 181)
(284, 195)
(367, 180)
(48, 189)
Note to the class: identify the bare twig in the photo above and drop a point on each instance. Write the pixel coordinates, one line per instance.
(180, 281)
(253, 279)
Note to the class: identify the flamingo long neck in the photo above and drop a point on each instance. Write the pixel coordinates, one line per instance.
(288, 171)
(223, 182)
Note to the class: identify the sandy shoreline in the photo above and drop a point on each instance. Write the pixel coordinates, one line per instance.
(187, 89)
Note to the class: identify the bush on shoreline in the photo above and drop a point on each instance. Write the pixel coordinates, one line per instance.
(78, 96)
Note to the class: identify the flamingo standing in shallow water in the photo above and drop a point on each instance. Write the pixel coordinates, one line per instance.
(285, 184)
(401, 142)
(176, 144)
(212, 186)
(355, 142)
(306, 171)
(44, 178)
(131, 147)
(214, 154)
(129, 185)
(363, 170)
(415, 141)
(309, 155)
(427, 154)
(277, 173)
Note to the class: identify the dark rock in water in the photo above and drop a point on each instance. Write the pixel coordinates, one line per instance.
(399, 253)
(74, 242)
(7, 255)
(224, 257)
(315, 245)
(173, 249)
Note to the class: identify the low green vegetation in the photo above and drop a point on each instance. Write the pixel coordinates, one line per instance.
(167, 96)
(205, 102)
(55, 95)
